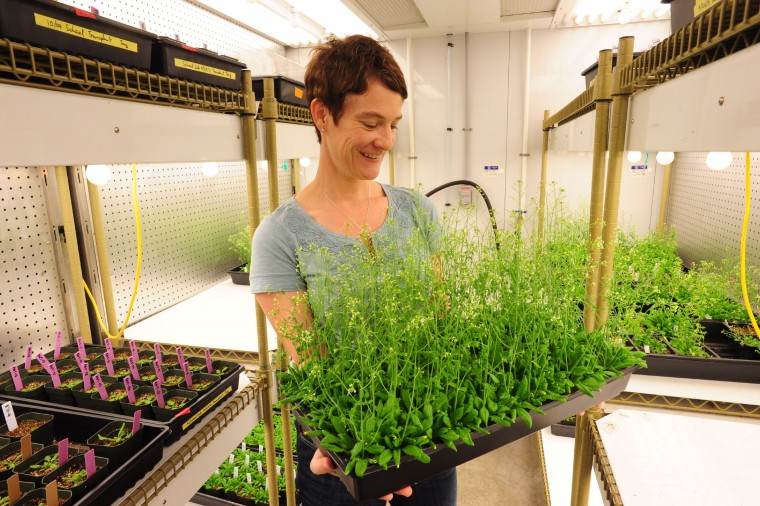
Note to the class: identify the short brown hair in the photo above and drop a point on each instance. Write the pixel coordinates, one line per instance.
(341, 67)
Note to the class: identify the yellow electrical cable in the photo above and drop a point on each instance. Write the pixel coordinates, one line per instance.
(137, 271)
(742, 253)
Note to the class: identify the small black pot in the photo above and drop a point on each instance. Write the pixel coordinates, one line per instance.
(112, 406)
(90, 483)
(36, 394)
(174, 372)
(42, 434)
(121, 354)
(129, 409)
(170, 361)
(118, 454)
(165, 414)
(10, 448)
(203, 376)
(3, 442)
(67, 353)
(64, 497)
(220, 365)
(25, 487)
(66, 366)
(63, 395)
(82, 398)
(239, 277)
(149, 369)
(196, 364)
(24, 468)
(146, 358)
(121, 370)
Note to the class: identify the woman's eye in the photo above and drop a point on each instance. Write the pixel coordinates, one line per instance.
(369, 125)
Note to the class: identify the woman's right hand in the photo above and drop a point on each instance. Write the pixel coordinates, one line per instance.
(321, 463)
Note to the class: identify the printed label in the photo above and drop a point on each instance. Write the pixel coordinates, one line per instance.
(133, 368)
(130, 389)
(209, 362)
(204, 69)
(247, 460)
(63, 451)
(16, 376)
(248, 478)
(28, 357)
(84, 33)
(58, 340)
(157, 353)
(100, 386)
(159, 372)
(10, 416)
(159, 394)
(89, 463)
(190, 421)
(235, 472)
(136, 421)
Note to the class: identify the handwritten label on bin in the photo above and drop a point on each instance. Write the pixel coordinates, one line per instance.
(54, 375)
(58, 340)
(133, 368)
(133, 350)
(44, 362)
(109, 346)
(159, 372)
(100, 386)
(159, 394)
(209, 362)
(80, 360)
(80, 346)
(86, 376)
(63, 451)
(188, 374)
(16, 377)
(136, 421)
(28, 357)
(129, 388)
(108, 358)
(180, 355)
(89, 463)
(10, 416)
(157, 353)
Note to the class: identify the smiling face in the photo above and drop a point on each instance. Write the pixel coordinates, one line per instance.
(354, 147)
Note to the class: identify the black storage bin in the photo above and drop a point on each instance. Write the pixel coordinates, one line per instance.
(285, 90)
(57, 26)
(175, 59)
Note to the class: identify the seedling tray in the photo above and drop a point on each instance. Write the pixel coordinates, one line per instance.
(173, 58)
(377, 482)
(78, 425)
(57, 26)
(285, 90)
(716, 368)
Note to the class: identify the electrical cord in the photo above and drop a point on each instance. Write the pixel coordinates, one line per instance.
(743, 252)
(137, 270)
(482, 194)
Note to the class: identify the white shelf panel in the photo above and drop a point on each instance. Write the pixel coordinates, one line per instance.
(671, 459)
(224, 317)
(723, 391)
(686, 114)
(47, 127)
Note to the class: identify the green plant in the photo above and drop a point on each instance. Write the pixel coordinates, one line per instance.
(145, 399)
(415, 358)
(117, 437)
(240, 244)
(48, 464)
(116, 394)
(72, 477)
(175, 402)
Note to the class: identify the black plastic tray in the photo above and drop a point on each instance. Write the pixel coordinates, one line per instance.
(715, 368)
(176, 59)
(377, 482)
(78, 425)
(285, 90)
(57, 26)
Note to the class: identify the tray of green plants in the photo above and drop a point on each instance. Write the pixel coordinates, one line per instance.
(96, 456)
(173, 390)
(429, 360)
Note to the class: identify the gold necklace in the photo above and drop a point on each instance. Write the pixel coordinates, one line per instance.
(365, 235)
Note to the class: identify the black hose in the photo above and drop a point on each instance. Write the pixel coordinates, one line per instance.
(482, 194)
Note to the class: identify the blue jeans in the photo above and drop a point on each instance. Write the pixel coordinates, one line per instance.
(328, 490)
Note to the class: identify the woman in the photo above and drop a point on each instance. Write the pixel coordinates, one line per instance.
(356, 91)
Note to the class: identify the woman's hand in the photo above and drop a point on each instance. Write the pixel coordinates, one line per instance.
(598, 406)
(321, 463)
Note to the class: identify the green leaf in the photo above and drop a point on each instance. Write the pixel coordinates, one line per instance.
(417, 453)
(361, 466)
(384, 458)
(525, 417)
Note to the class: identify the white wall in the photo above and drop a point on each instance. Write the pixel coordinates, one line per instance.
(495, 79)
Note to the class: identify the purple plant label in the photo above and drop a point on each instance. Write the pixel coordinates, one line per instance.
(63, 451)
(129, 388)
(86, 377)
(100, 386)
(180, 355)
(157, 353)
(133, 368)
(54, 375)
(159, 372)
(136, 421)
(28, 359)
(44, 362)
(209, 362)
(80, 360)
(89, 463)
(10, 416)
(108, 358)
(109, 346)
(80, 346)
(58, 339)
(133, 350)
(16, 376)
(159, 394)
(188, 374)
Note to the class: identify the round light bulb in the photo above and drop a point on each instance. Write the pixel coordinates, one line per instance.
(210, 169)
(98, 174)
(665, 157)
(625, 17)
(634, 156)
(719, 160)
(305, 162)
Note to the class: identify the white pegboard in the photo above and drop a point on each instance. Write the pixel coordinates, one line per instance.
(31, 302)
(193, 24)
(706, 208)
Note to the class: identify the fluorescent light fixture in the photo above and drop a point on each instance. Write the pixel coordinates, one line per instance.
(665, 157)
(305, 162)
(616, 11)
(98, 174)
(294, 23)
(210, 169)
(634, 156)
(719, 160)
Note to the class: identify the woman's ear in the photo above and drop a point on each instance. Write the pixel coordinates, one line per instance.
(319, 113)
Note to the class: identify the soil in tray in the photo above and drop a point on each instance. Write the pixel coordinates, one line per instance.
(121, 372)
(25, 427)
(117, 394)
(67, 368)
(73, 476)
(144, 399)
(36, 501)
(36, 369)
(176, 402)
(70, 383)
(33, 385)
(172, 381)
(201, 384)
(11, 460)
(122, 355)
(98, 369)
(115, 437)
(45, 466)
